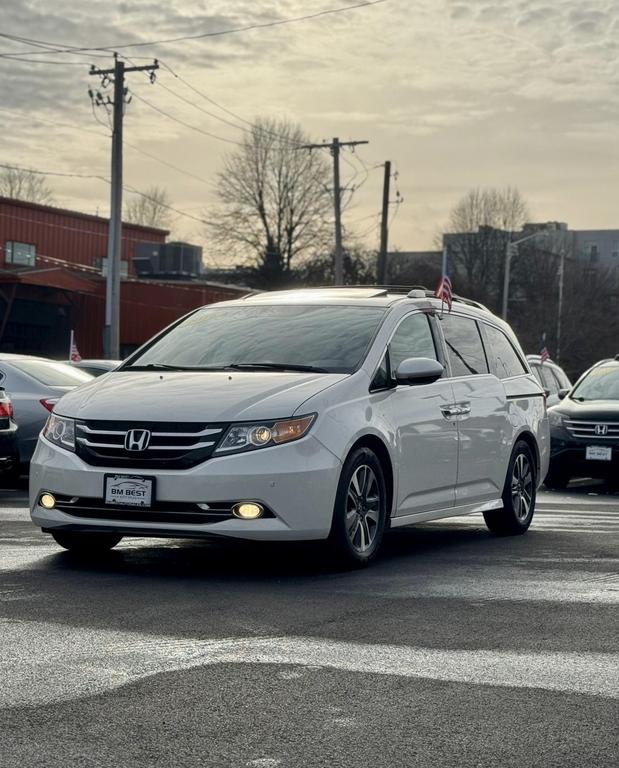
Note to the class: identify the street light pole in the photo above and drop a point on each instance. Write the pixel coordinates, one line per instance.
(510, 250)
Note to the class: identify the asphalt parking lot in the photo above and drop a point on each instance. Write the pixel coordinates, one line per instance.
(454, 649)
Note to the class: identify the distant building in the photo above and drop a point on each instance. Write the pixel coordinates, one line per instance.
(414, 268)
(594, 248)
(52, 279)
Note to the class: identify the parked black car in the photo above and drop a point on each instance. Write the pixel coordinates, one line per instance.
(9, 453)
(584, 427)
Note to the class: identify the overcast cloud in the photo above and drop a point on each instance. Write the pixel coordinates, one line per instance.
(456, 93)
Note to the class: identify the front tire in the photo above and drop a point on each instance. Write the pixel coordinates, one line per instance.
(360, 511)
(86, 543)
(519, 494)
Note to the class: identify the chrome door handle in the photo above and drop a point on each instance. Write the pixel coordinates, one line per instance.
(450, 411)
(464, 409)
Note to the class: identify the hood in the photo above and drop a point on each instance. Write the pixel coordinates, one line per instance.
(592, 410)
(207, 396)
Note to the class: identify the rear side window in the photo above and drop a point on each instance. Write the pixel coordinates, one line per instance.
(413, 338)
(464, 347)
(548, 380)
(561, 377)
(504, 360)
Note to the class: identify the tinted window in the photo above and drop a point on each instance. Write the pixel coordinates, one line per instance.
(334, 338)
(564, 382)
(548, 380)
(413, 338)
(52, 374)
(504, 360)
(382, 377)
(464, 347)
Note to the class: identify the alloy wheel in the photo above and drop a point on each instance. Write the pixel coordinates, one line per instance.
(522, 486)
(362, 508)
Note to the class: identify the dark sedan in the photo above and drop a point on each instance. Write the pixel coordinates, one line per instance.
(584, 428)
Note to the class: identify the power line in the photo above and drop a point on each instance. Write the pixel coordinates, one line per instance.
(126, 187)
(135, 148)
(187, 125)
(202, 35)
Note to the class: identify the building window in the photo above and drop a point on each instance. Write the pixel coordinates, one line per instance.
(124, 268)
(615, 249)
(592, 252)
(20, 253)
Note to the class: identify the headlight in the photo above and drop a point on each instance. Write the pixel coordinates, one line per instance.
(60, 431)
(246, 437)
(555, 419)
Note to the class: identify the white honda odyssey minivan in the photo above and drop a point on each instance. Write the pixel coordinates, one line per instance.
(312, 414)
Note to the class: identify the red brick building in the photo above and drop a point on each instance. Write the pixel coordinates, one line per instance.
(52, 267)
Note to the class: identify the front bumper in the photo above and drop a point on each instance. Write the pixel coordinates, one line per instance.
(569, 454)
(296, 482)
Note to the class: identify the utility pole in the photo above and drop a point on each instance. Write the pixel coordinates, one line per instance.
(116, 75)
(381, 270)
(335, 146)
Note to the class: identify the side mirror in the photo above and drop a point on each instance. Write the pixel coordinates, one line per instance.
(563, 393)
(418, 370)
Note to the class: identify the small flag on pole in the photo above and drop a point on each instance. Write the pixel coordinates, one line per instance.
(544, 354)
(74, 354)
(444, 292)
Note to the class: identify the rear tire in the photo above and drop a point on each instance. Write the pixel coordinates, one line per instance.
(360, 511)
(86, 543)
(519, 494)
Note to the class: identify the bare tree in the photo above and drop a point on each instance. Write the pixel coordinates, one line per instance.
(25, 184)
(479, 228)
(275, 201)
(150, 209)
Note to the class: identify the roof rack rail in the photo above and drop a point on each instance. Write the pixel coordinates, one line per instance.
(404, 289)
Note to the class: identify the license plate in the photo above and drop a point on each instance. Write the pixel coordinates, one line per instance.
(599, 453)
(129, 490)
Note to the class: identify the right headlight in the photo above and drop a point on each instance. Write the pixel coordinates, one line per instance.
(247, 437)
(60, 431)
(555, 419)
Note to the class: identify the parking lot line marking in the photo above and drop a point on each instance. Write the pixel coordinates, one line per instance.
(51, 662)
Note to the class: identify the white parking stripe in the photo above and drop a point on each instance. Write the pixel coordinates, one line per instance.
(52, 662)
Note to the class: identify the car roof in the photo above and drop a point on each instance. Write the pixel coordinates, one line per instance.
(538, 359)
(367, 295)
(9, 356)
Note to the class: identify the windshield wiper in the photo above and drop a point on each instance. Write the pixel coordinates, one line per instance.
(276, 367)
(166, 367)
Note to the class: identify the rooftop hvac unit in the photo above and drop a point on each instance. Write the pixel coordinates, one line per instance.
(170, 260)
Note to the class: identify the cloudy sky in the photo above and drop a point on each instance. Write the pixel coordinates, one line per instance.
(456, 93)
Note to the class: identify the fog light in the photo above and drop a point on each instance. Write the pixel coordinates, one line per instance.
(247, 510)
(47, 501)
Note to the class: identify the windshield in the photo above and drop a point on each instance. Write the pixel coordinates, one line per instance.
(601, 384)
(332, 339)
(52, 374)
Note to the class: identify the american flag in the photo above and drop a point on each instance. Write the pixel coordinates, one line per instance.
(544, 354)
(74, 354)
(444, 292)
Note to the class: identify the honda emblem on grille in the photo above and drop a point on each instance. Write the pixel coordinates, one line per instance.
(601, 429)
(137, 440)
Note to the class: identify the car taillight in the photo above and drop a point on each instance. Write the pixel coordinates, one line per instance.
(6, 409)
(49, 403)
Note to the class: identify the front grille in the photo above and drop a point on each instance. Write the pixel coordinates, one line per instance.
(587, 429)
(159, 512)
(177, 445)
